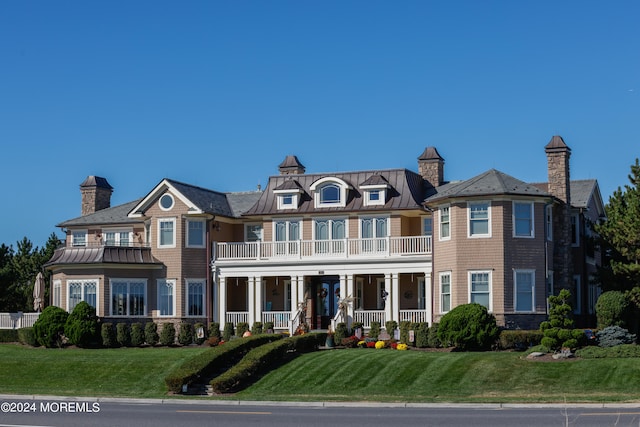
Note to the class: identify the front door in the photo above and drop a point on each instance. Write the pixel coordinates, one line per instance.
(327, 291)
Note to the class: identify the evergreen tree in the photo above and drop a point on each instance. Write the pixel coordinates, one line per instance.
(7, 299)
(620, 236)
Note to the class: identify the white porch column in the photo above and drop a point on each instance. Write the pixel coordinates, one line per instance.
(388, 309)
(215, 299)
(251, 295)
(259, 299)
(350, 293)
(395, 297)
(428, 297)
(294, 295)
(222, 301)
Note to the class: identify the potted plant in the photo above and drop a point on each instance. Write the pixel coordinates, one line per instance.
(330, 342)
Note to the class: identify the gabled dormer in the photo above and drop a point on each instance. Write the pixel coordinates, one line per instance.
(330, 192)
(374, 190)
(288, 194)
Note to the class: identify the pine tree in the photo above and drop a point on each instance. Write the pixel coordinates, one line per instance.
(620, 236)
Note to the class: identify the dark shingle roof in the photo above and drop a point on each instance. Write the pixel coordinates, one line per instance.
(406, 192)
(489, 183)
(113, 215)
(581, 191)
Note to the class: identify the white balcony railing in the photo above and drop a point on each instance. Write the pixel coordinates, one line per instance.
(280, 319)
(416, 316)
(304, 249)
(236, 317)
(368, 316)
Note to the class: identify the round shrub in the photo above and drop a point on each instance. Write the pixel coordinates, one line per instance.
(123, 334)
(469, 327)
(612, 309)
(256, 329)
(227, 333)
(185, 336)
(81, 327)
(214, 330)
(108, 335)
(549, 342)
(49, 328)
(340, 332)
(613, 336)
(151, 333)
(241, 328)
(168, 334)
(374, 331)
(137, 335)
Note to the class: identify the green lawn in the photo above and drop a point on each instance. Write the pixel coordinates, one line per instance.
(126, 372)
(352, 374)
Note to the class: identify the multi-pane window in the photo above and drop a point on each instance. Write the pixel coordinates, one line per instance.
(329, 194)
(57, 293)
(287, 236)
(329, 235)
(117, 238)
(479, 225)
(373, 231)
(128, 297)
(166, 233)
(82, 290)
(427, 226)
(79, 238)
(523, 219)
(195, 233)
(524, 290)
(166, 297)
(195, 297)
(445, 292)
(480, 288)
(445, 223)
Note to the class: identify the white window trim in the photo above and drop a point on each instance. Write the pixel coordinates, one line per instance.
(128, 281)
(246, 233)
(187, 294)
(117, 232)
(56, 297)
(440, 276)
(288, 221)
(159, 232)
(490, 273)
(204, 233)
(78, 232)
(532, 230)
(440, 209)
(173, 202)
(162, 282)
(342, 185)
(382, 192)
(479, 236)
(387, 219)
(295, 198)
(330, 219)
(82, 283)
(533, 290)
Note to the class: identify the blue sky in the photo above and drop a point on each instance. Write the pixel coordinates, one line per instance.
(216, 94)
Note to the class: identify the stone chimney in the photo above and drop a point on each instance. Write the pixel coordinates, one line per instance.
(291, 166)
(431, 166)
(96, 194)
(558, 154)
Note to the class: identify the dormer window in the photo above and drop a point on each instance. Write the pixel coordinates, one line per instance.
(288, 195)
(374, 190)
(330, 192)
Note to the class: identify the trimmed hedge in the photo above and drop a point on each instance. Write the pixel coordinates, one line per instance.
(9, 335)
(214, 360)
(519, 339)
(27, 336)
(264, 358)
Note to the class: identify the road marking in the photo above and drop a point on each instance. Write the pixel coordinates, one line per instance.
(226, 412)
(596, 414)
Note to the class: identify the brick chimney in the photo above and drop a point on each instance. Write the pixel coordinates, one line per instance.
(431, 166)
(558, 154)
(96, 194)
(291, 166)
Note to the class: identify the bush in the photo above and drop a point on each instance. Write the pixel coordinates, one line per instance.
(123, 334)
(613, 336)
(622, 350)
(340, 333)
(168, 334)
(560, 310)
(241, 328)
(214, 330)
(108, 335)
(9, 335)
(81, 327)
(549, 342)
(355, 326)
(151, 333)
(27, 336)
(137, 335)
(228, 331)
(519, 339)
(612, 309)
(422, 335)
(268, 327)
(432, 336)
(185, 336)
(374, 331)
(213, 361)
(469, 327)
(404, 331)
(256, 329)
(49, 328)
(390, 326)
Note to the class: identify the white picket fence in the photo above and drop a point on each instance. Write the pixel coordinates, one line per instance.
(17, 320)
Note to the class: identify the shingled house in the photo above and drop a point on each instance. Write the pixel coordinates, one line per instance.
(372, 245)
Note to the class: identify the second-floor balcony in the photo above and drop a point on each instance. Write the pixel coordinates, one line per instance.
(386, 247)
